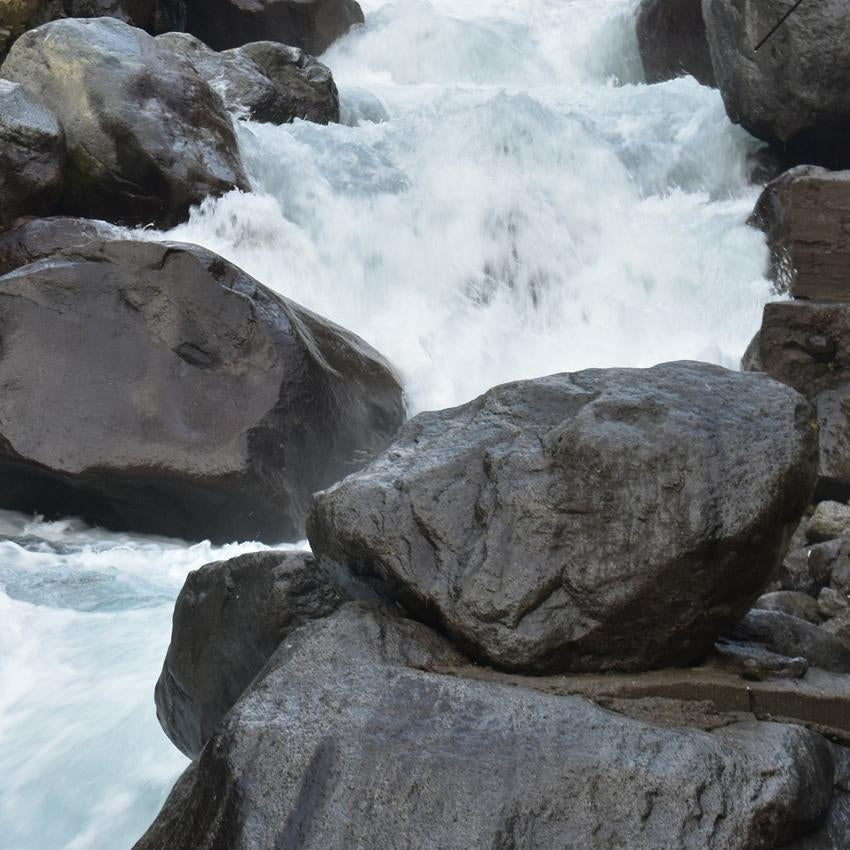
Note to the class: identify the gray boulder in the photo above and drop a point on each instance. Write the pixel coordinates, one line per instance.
(265, 81)
(793, 92)
(672, 40)
(139, 375)
(349, 739)
(229, 618)
(32, 155)
(793, 602)
(809, 568)
(829, 520)
(608, 519)
(146, 135)
(312, 25)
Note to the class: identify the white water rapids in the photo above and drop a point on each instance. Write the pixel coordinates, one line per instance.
(505, 200)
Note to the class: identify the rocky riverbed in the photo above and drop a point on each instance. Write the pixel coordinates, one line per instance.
(530, 318)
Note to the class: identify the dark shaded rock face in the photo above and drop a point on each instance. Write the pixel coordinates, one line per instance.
(312, 25)
(806, 216)
(35, 238)
(32, 155)
(229, 619)
(146, 136)
(793, 92)
(210, 407)
(347, 740)
(672, 40)
(610, 519)
(266, 81)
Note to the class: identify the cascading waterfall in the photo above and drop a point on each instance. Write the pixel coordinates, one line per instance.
(505, 199)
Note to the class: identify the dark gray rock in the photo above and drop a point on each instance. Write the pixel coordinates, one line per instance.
(793, 92)
(805, 214)
(672, 40)
(229, 618)
(829, 521)
(312, 25)
(35, 238)
(832, 603)
(32, 155)
(146, 136)
(790, 636)
(809, 568)
(158, 388)
(347, 739)
(265, 81)
(833, 411)
(793, 602)
(757, 663)
(609, 519)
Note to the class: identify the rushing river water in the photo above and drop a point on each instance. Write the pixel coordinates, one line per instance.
(506, 199)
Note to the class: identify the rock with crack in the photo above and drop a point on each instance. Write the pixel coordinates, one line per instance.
(265, 81)
(608, 519)
(346, 739)
(146, 136)
(139, 375)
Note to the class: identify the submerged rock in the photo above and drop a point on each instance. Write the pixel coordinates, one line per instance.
(32, 155)
(228, 620)
(348, 740)
(146, 135)
(312, 25)
(266, 81)
(158, 388)
(793, 91)
(672, 40)
(608, 519)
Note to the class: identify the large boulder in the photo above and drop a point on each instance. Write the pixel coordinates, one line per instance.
(265, 81)
(349, 739)
(32, 155)
(672, 40)
(158, 388)
(805, 214)
(146, 135)
(229, 619)
(793, 91)
(608, 519)
(312, 25)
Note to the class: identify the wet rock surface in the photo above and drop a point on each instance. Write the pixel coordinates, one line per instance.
(196, 388)
(608, 519)
(146, 136)
(457, 763)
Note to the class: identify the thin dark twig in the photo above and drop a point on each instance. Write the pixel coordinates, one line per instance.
(778, 24)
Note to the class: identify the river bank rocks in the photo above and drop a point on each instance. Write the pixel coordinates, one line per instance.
(265, 81)
(32, 155)
(349, 738)
(536, 524)
(146, 136)
(672, 40)
(196, 388)
(792, 92)
(312, 25)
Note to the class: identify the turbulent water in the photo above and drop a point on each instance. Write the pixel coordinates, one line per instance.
(505, 199)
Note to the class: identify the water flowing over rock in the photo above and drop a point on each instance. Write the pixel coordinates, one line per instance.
(349, 739)
(229, 619)
(793, 92)
(608, 519)
(266, 81)
(672, 40)
(312, 25)
(32, 155)
(146, 135)
(171, 393)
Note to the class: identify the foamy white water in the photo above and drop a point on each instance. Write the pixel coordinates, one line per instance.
(505, 200)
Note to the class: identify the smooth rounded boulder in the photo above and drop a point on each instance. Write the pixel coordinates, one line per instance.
(792, 91)
(156, 387)
(264, 81)
(364, 731)
(146, 136)
(312, 25)
(604, 520)
(32, 155)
